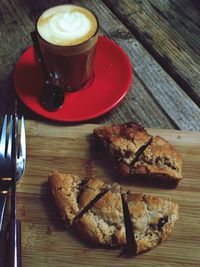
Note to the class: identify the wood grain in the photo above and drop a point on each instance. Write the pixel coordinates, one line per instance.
(170, 31)
(157, 83)
(45, 241)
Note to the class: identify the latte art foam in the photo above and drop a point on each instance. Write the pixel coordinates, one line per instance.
(67, 25)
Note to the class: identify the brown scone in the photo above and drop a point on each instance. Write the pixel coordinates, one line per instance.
(103, 224)
(152, 219)
(148, 219)
(72, 193)
(124, 143)
(160, 160)
(134, 152)
(90, 190)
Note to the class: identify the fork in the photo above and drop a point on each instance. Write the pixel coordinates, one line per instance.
(5, 163)
(12, 164)
(5, 183)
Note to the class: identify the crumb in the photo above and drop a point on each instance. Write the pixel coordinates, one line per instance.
(49, 230)
(85, 250)
(23, 212)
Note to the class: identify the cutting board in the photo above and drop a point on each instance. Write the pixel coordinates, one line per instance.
(46, 242)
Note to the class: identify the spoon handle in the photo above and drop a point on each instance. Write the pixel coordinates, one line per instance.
(39, 54)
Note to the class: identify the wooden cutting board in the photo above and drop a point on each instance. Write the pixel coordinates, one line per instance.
(46, 242)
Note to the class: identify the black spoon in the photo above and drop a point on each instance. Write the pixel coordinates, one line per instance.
(52, 96)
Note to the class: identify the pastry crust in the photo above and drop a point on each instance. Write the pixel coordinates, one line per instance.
(103, 224)
(135, 152)
(159, 159)
(100, 214)
(65, 188)
(72, 193)
(152, 219)
(90, 190)
(123, 143)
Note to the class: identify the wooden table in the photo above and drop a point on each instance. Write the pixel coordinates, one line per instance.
(161, 38)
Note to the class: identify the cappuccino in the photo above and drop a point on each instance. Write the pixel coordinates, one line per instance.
(67, 25)
(68, 37)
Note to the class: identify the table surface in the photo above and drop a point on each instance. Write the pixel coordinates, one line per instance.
(46, 242)
(161, 38)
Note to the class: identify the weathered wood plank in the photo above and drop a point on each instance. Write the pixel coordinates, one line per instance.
(170, 30)
(172, 100)
(137, 106)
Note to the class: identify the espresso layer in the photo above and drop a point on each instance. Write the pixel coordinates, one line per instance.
(67, 25)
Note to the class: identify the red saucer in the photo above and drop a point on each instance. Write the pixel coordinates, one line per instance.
(113, 75)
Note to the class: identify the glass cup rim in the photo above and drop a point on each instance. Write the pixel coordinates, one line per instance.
(69, 46)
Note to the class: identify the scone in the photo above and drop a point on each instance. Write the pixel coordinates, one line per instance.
(152, 220)
(160, 160)
(103, 224)
(134, 152)
(106, 217)
(72, 194)
(123, 143)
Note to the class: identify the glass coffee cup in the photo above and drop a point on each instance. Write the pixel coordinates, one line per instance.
(68, 35)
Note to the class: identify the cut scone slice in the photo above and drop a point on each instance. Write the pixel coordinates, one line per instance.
(152, 220)
(65, 189)
(90, 192)
(103, 224)
(160, 160)
(72, 194)
(124, 143)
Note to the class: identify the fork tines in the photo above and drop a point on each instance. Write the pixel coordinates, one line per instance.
(9, 149)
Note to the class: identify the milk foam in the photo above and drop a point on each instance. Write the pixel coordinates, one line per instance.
(67, 25)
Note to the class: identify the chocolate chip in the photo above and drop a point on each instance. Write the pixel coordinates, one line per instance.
(127, 154)
(162, 222)
(59, 188)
